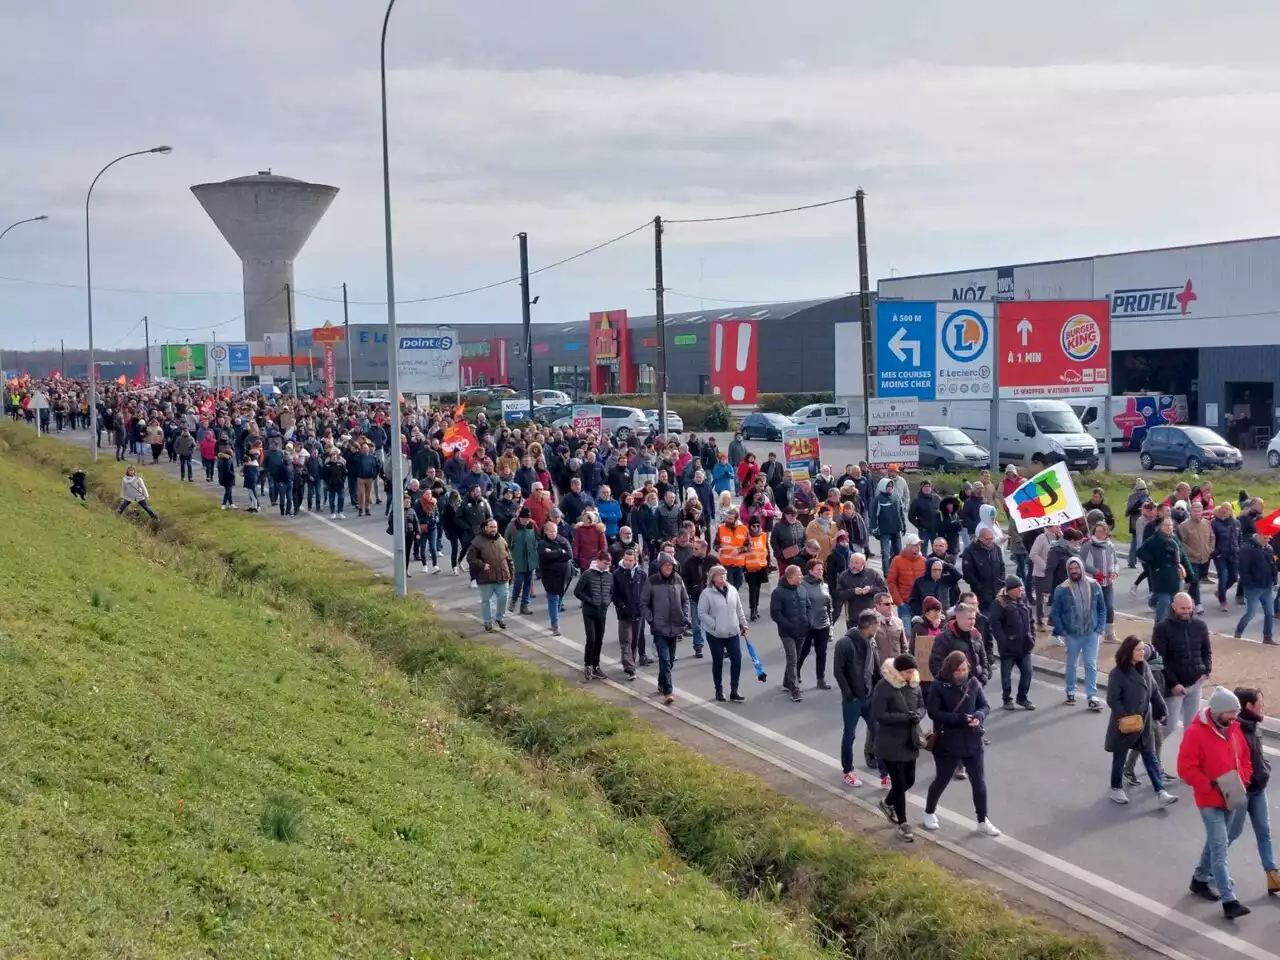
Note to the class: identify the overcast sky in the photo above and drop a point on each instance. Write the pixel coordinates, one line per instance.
(983, 134)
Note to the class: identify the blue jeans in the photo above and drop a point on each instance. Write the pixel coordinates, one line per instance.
(553, 609)
(904, 614)
(1213, 858)
(1228, 573)
(521, 587)
(1148, 760)
(335, 500)
(227, 499)
(1133, 552)
(1256, 813)
(697, 632)
(1022, 567)
(1164, 603)
(495, 595)
(1089, 647)
(1007, 665)
(1253, 597)
(433, 544)
(666, 647)
(853, 711)
(890, 544)
(722, 647)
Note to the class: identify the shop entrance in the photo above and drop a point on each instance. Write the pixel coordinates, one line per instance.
(1248, 416)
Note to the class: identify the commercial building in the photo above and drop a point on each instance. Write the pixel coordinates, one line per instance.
(1200, 320)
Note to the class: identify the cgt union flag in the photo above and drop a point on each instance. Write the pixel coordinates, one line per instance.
(1047, 498)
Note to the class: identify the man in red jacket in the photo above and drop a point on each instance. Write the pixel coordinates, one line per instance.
(1215, 762)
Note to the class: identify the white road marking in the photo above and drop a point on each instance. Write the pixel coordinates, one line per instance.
(1101, 884)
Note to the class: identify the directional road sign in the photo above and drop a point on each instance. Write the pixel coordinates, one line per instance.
(934, 350)
(1055, 348)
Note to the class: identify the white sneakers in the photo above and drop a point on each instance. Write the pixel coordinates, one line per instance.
(341, 515)
(1119, 796)
(1166, 798)
(985, 827)
(333, 516)
(457, 571)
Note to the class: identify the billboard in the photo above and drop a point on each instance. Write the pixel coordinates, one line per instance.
(734, 348)
(427, 359)
(893, 435)
(183, 360)
(1055, 349)
(801, 452)
(484, 362)
(934, 350)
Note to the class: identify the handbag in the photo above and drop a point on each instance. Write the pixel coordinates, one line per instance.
(1232, 788)
(1131, 723)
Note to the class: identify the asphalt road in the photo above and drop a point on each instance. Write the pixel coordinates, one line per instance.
(838, 450)
(1125, 866)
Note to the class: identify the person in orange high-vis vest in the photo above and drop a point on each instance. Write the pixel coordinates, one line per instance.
(756, 564)
(731, 538)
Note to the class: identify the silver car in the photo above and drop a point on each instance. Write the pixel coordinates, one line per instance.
(620, 422)
(674, 423)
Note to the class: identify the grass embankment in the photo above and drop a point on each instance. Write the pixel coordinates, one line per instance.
(192, 767)
(879, 905)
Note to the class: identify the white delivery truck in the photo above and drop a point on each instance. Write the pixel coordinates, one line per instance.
(1131, 416)
(1032, 432)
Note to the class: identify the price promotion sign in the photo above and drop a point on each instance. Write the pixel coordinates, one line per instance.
(893, 434)
(801, 452)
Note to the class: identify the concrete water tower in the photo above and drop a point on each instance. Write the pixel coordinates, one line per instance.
(266, 218)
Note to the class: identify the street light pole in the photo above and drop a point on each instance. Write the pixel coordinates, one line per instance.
(88, 276)
(40, 219)
(393, 342)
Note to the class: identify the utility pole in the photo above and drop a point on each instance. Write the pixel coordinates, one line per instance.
(293, 373)
(62, 346)
(525, 317)
(346, 336)
(661, 319)
(146, 333)
(864, 310)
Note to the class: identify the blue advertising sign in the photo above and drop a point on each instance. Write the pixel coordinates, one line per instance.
(934, 350)
(238, 358)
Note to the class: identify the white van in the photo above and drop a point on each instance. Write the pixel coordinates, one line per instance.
(1036, 432)
(1131, 416)
(827, 417)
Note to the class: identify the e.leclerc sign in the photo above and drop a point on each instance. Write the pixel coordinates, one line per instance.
(934, 350)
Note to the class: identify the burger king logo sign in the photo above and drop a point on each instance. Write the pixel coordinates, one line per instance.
(1081, 337)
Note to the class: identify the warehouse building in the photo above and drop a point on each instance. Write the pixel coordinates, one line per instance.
(1200, 320)
(737, 353)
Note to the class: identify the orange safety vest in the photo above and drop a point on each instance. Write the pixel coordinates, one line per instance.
(731, 544)
(758, 558)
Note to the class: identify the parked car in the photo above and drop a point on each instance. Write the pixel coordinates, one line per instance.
(674, 423)
(827, 417)
(947, 449)
(620, 422)
(1188, 448)
(551, 397)
(1273, 451)
(373, 396)
(765, 426)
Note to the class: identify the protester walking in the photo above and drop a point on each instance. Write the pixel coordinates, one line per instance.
(595, 591)
(1015, 636)
(1079, 615)
(897, 706)
(666, 606)
(628, 594)
(723, 622)
(856, 670)
(821, 616)
(1215, 761)
(1183, 643)
(958, 708)
(1258, 578)
(789, 610)
(489, 560)
(1256, 810)
(1137, 709)
(554, 559)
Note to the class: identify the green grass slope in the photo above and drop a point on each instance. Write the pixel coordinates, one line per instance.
(191, 767)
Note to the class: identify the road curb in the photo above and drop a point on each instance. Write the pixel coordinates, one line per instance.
(1270, 726)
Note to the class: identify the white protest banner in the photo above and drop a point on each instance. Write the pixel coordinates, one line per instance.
(1047, 498)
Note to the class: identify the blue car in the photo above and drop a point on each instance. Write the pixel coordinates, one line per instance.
(1188, 448)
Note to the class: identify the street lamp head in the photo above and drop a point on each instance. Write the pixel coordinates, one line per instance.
(42, 217)
(165, 148)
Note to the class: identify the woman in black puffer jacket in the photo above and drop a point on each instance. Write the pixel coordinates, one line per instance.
(958, 708)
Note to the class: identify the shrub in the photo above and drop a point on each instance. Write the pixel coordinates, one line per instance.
(789, 403)
(718, 417)
(282, 817)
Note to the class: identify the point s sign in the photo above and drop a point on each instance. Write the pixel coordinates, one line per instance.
(1054, 348)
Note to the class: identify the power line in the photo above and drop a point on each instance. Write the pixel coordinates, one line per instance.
(497, 283)
(126, 336)
(149, 293)
(764, 303)
(215, 326)
(763, 213)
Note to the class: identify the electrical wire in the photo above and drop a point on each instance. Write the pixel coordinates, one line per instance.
(497, 283)
(116, 346)
(763, 213)
(215, 326)
(764, 303)
(148, 293)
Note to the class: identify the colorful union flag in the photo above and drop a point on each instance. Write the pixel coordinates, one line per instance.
(1047, 498)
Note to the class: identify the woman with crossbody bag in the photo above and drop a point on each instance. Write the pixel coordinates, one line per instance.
(958, 708)
(1137, 705)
